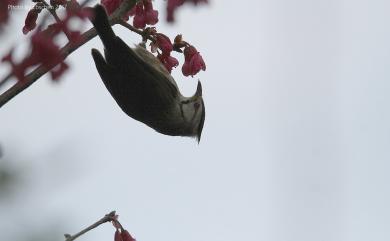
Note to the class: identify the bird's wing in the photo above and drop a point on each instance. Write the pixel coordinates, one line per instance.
(155, 83)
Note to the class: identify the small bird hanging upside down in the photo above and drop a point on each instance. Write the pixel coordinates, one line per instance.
(143, 88)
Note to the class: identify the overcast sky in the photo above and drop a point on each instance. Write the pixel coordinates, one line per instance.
(295, 145)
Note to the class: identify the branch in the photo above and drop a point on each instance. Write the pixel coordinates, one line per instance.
(65, 52)
(5, 79)
(135, 30)
(107, 218)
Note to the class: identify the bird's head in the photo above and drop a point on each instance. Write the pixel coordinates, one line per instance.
(193, 111)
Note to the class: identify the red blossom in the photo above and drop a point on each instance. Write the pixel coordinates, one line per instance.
(126, 236)
(144, 14)
(31, 21)
(151, 14)
(172, 6)
(193, 62)
(18, 70)
(43, 51)
(168, 61)
(139, 20)
(118, 236)
(111, 5)
(74, 36)
(164, 43)
(4, 11)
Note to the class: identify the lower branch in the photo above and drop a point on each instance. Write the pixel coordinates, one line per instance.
(107, 218)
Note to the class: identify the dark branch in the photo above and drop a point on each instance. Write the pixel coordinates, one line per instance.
(107, 218)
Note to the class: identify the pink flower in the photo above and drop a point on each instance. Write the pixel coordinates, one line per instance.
(164, 43)
(118, 236)
(172, 6)
(144, 14)
(4, 11)
(43, 51)
(151, 14)
(193, 62)
(168, 61)
(139, 20)
(18, 70)
(126, 236)
(111, 5)
(31, 21)
(74, 36)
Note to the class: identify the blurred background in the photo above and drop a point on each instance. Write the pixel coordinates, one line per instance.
(295, 145)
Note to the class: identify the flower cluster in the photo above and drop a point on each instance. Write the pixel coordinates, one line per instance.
(163, 43)
(121, 234)
(172, 6)
(44, 50)
(193, 61)
(143, 12)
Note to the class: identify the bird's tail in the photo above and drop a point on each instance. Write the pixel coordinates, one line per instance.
(102, 26)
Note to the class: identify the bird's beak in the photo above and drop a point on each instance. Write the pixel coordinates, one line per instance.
(198, 92)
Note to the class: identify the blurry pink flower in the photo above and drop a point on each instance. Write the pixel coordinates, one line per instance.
(118, 236)
(144, 14)
(126, 236)
(43, 51)
(111, 5)
(172, 6)
(17, 70)
(4, 11)
(31, 21)
(151, 14)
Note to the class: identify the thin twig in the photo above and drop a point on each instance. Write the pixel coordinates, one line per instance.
(115, 18)
(135, 30)
(107, 218)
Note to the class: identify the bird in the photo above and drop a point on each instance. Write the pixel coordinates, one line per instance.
(142, 87)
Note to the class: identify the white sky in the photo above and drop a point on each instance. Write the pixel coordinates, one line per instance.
(295, 145)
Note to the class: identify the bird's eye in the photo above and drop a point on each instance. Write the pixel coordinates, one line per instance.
(196, 105)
